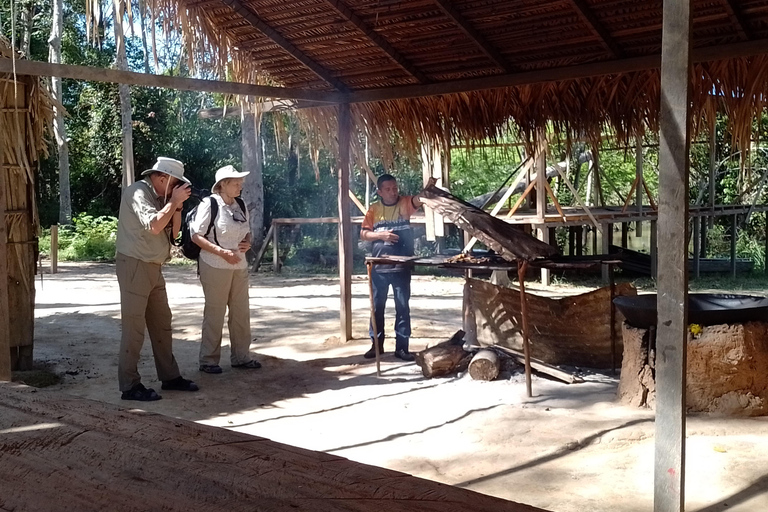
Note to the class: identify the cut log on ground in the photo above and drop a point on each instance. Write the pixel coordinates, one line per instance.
(484, 365)
(542, 367)
(444, 358)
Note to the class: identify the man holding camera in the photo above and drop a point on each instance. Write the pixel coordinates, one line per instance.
(150, 217)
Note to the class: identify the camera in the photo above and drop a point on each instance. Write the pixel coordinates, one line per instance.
(198, 193)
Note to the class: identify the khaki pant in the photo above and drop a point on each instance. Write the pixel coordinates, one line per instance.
(222, 288)
(143, 304)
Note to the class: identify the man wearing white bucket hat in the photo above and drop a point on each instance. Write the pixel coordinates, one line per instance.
(224, 271)
(150, 217)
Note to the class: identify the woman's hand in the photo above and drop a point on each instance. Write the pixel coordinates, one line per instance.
(244, 246)
(231, 257)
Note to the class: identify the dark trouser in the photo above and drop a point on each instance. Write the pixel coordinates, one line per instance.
(401, 287)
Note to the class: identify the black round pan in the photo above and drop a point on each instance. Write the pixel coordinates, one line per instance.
(703, 308)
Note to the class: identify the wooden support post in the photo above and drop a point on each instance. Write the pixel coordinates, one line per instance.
(522, 266)
(612, 279)
(546, 274)
(625, 234)
(672, 282)
(712, 168)
(638, 179)
(469, 321)
(5, 334)
(765, 254)
(696, 247)
(54, 248)
(275, 246)
(345, 224)
(374, 327)
(541, 183)
(571, 240)
(704, 227)
(594, 241)
(579, 240)
(607, 240)
(654, 251)
(553, 237)
(734, 239)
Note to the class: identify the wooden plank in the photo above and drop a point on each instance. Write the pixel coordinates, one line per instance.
(254, 20)
(638, 179)
(88, 456)
(737, 19)
(276, 249)
(357, 202)
(628, 65)
(37, 68)
(5, 334)
(541, 366)
(345, 226)
(263, 248)
(696, 247)
(476, 37)
(672, 282)
(379, 41)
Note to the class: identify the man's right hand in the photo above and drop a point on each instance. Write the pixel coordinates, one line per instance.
(180, 194)
(388, 236)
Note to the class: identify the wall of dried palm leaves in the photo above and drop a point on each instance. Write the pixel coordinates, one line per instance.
(25, 117)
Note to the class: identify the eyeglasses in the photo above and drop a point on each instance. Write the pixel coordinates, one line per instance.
(238, 216)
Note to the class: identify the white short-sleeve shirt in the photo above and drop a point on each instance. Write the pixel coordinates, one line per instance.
(229, 231)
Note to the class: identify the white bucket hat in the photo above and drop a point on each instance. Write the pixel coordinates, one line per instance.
(168, 166)
(227, 172)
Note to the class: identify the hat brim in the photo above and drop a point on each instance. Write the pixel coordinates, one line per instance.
(234, 175)
(148, 171)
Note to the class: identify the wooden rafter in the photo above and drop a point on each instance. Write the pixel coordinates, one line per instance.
(597, 28)
(625, 65)
(737, 19)
(378, 40)
(254, 20)
(473, 34)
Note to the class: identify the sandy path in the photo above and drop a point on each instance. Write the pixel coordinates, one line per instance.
(568, 449)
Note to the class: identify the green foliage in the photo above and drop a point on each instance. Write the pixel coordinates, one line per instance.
(89, 238)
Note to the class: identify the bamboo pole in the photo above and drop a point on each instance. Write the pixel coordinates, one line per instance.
(5, 335)
(522, 266)
(374, 327)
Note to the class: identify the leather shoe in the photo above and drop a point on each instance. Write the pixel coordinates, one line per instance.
(404, 355)
(372, 352)
(179, 384)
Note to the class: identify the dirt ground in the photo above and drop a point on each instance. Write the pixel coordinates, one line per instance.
(570, 448)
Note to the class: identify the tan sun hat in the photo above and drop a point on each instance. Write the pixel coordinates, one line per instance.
(226, 172)
(168, 166)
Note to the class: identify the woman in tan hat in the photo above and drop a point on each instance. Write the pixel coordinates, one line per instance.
(224, 271)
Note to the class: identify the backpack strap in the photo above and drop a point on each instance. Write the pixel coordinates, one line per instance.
(214, 214)
(241, 204)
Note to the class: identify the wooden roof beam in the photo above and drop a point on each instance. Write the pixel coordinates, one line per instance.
(473, 34)
(597, 29)
(254, 20)
(94, 74)
(626, 65)
(378, 40)
(737, 19)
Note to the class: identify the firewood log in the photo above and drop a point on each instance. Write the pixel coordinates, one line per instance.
(484, 365)
(444, 358)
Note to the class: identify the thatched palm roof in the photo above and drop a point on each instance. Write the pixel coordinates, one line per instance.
(370, 45)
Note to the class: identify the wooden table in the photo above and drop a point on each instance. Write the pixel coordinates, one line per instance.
(59, 452)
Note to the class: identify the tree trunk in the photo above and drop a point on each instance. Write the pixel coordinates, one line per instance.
(142, 14)
(125, 95)
(59, 130)
(26, 24)
(253, 187)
